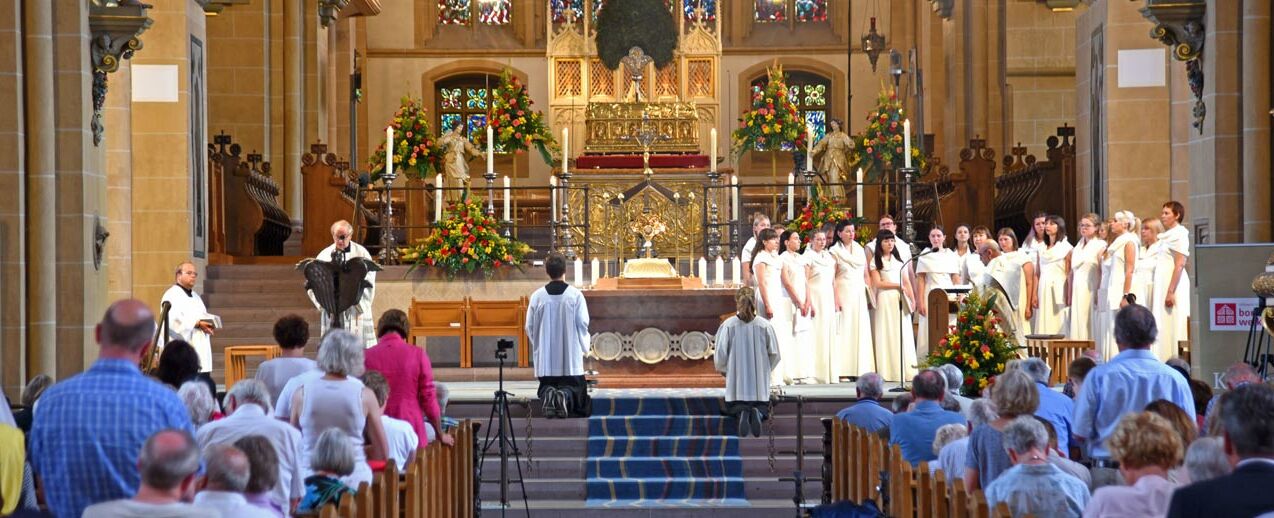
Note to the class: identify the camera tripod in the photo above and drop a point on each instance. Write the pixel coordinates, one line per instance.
(505, 442)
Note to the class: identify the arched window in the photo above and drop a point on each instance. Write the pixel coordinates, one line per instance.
(808, 91)
(463, 12)
(464, 100)
(781, 10)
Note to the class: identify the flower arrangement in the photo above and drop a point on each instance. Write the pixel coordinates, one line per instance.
(879, 148)
(516, 126)
(773, 121)
(414, 151)
(466, 240)
(819, 212)
(975, 344)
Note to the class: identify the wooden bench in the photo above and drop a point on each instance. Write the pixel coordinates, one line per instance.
(236, 358)
(1058, 354)
(442, 318)
(503, 318)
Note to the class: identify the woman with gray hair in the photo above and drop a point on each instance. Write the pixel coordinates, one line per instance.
(951, 456)
(1033, 486)
(1014, 395)
(198, 401)
(1206, 459)
(332, 460)
(338, 400)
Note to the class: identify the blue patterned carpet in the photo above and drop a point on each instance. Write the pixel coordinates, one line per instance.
(662, 452)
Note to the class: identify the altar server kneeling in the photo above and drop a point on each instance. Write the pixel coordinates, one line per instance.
(747, 352)
(557, 325)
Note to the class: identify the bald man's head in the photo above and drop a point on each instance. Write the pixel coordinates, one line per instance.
(128, 324)
(227, 469)
(168, 458)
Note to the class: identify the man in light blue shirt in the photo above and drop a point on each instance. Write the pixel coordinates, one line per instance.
(1127, 383)
(867, 413)
(1054, 407)
(913, 431)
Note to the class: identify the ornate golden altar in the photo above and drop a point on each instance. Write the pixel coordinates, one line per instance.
(610, 127)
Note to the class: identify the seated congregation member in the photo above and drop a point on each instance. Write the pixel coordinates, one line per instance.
(955, 379)
(1076, 372)
(1034, 486)
(1125, 385)
(85, 438)
(1056, 458)
(866, 413)
(30, 396)
(199, 402)
(332, 460)
(1146, 447)
(226, 475)
(1014, 395)
(412, 394)
(1202, 393)
(951, 457)
(747, 353)
(338, 400)
(1236, 375)
(949, 433)
(1248, 421)
(167, 465)
(557, 326)
(400, 438)
(264, 476)
(1206, 459)
(179, 363)
(248, 406)
(1184, 427)
(913, 431)
(1054, 406)
(291, 333)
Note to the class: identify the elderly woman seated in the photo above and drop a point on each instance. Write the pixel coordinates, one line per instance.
(1146, 446)
(199, 402)
(332, 459)
(1206, 459)
(1034, 486)
(951, 457)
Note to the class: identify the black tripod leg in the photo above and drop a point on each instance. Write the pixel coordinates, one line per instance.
(517, 460)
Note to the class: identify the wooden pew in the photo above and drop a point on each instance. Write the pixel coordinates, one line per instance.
(502, 318)
(442, 318)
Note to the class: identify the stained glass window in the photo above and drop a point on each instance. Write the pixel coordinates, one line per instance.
(817, 119)
(476, 99)
(597, 8)
(808, 92)
(562, 7)
(770, 10)
(811, 10)
(477, 122)
(465, 100)
(454, 12)
(448, 121)
(451, 98)
(709, 9)
(494, 12)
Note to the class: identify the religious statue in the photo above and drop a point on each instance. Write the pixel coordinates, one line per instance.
(836, 146)
(456, 152)
(635, 65)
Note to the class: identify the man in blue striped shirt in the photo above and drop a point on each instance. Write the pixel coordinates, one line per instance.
(89, 429)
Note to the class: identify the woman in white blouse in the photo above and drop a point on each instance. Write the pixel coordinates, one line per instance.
(1085, 278)
(1025, 303)
(1147, 257)
(1054, 270)
(971, 266)
(768, 272)
(799, 367)
(895, 343)
(935, 270)
(1118, 265)
(1170, 300)
(853, 354)
(822, 269)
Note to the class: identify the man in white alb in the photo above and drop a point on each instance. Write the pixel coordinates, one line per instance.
(358, 319)
(188, 318)
(1003, 276)
(557, 325)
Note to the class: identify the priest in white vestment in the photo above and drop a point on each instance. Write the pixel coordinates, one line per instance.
(187, 317)
(357, 319)
(557, 325)
(1004, 276)
(747, 351)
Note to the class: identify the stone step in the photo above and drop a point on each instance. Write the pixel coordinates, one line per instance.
(263, 284)
(565, 465)
(294, 299)
(570, 488)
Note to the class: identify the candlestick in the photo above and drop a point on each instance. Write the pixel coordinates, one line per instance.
(735, 268)
(566, 146)
(809, 147)
(389, 151)
(553, 198)
(719, 264)
(712, 156)
(506, 199)
(859, 207)
(438, 197)
(592, 265)
(579, 273)
(703, 270)
(491, 152)
(791, 196)
(906, 142)
(734, 196)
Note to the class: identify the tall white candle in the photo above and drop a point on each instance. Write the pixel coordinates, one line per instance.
(506, 199)
(566, 146)
(438, 198)
(389, 151)
(594, 272)
(712, 148)
(734, 196)
(906, 142)
(579, 273)
(719, 264)
(703, 270)
(736, 268)
(491, 151)
(859, 206)
(791, 196)
(809, 147)
(552, 198)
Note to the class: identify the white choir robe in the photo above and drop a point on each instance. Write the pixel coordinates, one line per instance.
(1086, 261)
(1172, 321)
(1112, 292)
(557, 326)
(854, 354)
(1053, 315)
(361, 312)
(186, 311)
(1003, 277)
(937, 268)
(823, 298)
(747, 353)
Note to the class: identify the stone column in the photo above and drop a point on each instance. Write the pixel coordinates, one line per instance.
(1216, 154)
(118, 118)
(13, 311)
(1256, 121)
(293, 106)
(41, 198)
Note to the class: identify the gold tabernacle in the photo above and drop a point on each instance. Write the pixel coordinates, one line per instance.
(610, 127)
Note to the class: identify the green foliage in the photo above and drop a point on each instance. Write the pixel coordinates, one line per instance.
(414, 149)
(625, 24)
(879, 148)
(773, 120)
(975, 344)
(516, 125)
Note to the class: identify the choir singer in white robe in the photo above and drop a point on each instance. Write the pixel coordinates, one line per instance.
(186, 317)
(361, 313)
(557, 325)
(747, 351)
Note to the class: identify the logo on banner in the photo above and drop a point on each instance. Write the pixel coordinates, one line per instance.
(1232, 314)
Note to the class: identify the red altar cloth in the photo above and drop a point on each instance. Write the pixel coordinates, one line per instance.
(634, 162)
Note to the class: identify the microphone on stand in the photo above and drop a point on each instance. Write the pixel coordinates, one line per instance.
(902, 328)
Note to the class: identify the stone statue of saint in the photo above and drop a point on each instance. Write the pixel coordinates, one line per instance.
(835, 147)
(635, 65)
(456, 153)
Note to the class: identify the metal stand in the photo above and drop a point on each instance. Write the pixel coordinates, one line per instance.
(565, 221)
(388, 244)
(490, 176)
(809, 175)
(736, 246)
(507, 443)
(714, 233)
(909, 231)
(1257, 352)
(908, 218)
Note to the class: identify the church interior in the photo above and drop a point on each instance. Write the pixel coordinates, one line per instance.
(466, 141)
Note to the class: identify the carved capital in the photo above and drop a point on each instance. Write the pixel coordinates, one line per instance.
(115, 27)
(1179, 24)
(328, 9)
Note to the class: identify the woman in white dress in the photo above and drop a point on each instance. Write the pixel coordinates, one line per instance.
(971, 266)
(895, 343)
(772, 303)
(937, 269)
(1054, 270)
(1025, 305)
(799, 367)
(1147, 259)
(1118, 265)
(853, 354)
(1033, 244)
(1085, 278)
(822, 270)
(1170, 301)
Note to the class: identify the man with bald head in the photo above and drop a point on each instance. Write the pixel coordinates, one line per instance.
(168, 462)
(228, 472)
(89, 428)
(187, 318)
(358, 319)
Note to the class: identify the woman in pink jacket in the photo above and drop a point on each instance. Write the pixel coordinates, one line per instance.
(412, 395)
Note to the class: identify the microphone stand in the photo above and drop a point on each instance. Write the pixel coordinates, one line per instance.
(902, 325)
